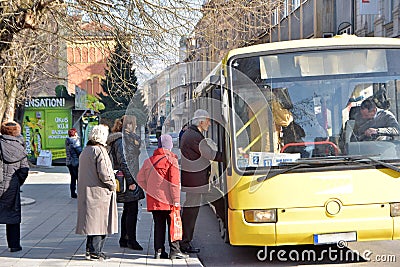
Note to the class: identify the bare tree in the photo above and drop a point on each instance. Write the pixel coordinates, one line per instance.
(36, 27)
(227, 25)
(32, 32)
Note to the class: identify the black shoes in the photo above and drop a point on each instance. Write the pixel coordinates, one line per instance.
(178, 255)
(190, 249)
(135, 246)
(160, 254)
(15, 249)
(123, 244)
(74, 195)
(96, 256)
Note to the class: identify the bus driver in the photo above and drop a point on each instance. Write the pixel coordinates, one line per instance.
(372, 123)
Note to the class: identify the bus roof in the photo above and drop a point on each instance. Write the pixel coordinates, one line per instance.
(308, 44)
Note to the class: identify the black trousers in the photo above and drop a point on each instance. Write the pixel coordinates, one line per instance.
(73, 171)
(191, 208)
(161, 220)
(13, 233)
(129, 222)
(95, 243)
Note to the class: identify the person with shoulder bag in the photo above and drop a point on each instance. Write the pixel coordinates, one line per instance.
(124, 153)
(14, 170)
(73, 149)
(159, 176)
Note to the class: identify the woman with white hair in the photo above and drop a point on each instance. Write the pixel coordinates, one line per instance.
(97, 205)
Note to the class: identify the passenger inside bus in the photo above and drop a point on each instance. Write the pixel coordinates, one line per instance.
(260, 116)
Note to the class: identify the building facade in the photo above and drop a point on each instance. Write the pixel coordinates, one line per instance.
(225, 25)
(87, 59)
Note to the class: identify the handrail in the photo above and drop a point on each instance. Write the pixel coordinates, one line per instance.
(312, 143)
(250, 121)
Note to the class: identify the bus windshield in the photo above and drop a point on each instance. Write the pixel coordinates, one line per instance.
(315, 104)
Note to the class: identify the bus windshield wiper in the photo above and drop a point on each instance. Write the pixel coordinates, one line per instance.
(312, 162)
(273, 174)
(368, 157)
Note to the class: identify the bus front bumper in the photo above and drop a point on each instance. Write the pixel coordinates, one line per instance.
(297, 226)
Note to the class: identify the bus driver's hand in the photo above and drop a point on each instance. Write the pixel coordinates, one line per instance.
(371, 131)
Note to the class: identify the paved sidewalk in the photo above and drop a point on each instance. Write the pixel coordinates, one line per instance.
(48, 230)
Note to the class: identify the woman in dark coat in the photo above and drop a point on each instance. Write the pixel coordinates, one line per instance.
(124, 149)
(13, 172)
(73, 149)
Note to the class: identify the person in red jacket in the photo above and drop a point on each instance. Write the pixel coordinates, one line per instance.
(159, 177)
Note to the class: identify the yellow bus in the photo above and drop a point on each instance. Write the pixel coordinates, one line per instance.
(285, 114)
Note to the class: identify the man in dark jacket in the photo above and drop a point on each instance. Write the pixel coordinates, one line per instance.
(196, 154)
(372, 123)
(14, 170)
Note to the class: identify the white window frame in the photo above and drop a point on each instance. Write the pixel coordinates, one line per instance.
(295, 4)
(275, 17)
(285, 8)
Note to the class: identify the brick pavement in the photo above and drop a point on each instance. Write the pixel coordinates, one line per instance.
(48, 230)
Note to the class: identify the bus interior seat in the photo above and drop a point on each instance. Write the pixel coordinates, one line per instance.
(349, 126)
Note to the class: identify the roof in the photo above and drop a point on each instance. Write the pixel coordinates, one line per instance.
(316, 43)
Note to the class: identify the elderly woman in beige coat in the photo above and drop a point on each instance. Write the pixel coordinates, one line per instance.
(97, 206)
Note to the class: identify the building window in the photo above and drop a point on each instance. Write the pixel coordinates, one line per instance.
(84, 54)
(96, 85)
(77, 55)
(346, 30)
(89, 86)
(295, 4)
(387, 10)
(371, 23)
(274, 17)
(99, 55)
(285, 8)
(92, 55)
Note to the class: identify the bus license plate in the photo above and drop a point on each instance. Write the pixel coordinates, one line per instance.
(334, 238)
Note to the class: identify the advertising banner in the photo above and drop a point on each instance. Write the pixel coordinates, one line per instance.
(45, 126)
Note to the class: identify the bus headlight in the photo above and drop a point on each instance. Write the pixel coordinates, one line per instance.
(260, 216)
(394, 209)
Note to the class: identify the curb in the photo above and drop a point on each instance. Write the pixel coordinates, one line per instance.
(27, 201)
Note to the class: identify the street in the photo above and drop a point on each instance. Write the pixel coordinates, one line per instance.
(214, 252)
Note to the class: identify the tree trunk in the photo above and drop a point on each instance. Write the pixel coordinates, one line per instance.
(10, 106)
(9, 96)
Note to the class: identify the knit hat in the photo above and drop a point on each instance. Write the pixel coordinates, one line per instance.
(99, 134)
(11, 128)
(72, 132)
(165, 141)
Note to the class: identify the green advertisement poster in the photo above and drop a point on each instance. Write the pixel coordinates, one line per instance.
(33, 130)
(45, 127)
